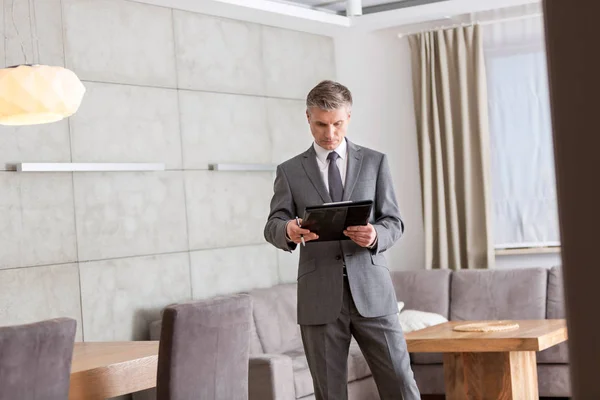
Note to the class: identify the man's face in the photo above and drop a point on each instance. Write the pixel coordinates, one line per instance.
(328, 127)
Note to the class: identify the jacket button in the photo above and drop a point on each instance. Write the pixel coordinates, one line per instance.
(338, 257)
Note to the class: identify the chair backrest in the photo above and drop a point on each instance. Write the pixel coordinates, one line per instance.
(35, 360)
(204, 349)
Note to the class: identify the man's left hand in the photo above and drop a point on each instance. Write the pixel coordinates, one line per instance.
(364, 236)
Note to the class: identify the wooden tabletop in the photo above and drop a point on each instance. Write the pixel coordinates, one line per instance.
(108, 369)
(532, 335)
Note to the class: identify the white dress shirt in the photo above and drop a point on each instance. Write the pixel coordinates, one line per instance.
(323, 162)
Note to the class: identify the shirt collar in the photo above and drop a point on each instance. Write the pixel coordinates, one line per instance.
(323, 153)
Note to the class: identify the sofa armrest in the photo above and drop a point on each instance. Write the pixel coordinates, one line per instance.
(271, 377)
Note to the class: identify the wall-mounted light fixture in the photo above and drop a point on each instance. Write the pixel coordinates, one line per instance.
(242, 167)
(88, 167)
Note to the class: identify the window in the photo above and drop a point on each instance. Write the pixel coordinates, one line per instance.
(523, 182)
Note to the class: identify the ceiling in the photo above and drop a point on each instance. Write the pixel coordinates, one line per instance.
(368, 6)
(307, 16)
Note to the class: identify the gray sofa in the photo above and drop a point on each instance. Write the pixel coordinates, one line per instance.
(278, 367)
(532, 293)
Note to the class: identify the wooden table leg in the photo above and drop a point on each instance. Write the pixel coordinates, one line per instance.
(493, 376)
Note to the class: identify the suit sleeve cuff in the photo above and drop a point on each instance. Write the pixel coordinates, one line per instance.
(286, 234)
(372, 245)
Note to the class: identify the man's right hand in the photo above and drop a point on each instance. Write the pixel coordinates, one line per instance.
(294, 231)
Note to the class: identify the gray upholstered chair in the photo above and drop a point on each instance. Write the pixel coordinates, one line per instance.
(35, 360)
(204, 350)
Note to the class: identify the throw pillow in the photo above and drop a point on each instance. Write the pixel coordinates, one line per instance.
(400, 306)
(413, 320)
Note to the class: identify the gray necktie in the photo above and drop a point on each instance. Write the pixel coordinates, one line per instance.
(335, 179)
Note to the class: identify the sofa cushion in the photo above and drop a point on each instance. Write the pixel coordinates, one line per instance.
(554, 380)
(498, 294)
(357, 368)
(555, 310)
(423, 290)
(430, 379)
(275, 318)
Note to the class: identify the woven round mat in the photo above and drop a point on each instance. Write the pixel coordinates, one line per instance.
(495, 326)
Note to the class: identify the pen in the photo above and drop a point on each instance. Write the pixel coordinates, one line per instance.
(301, 236)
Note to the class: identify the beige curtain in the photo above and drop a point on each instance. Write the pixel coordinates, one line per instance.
(452, 123)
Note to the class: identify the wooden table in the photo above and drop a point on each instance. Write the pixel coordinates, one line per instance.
(107, 369)
(495, 365)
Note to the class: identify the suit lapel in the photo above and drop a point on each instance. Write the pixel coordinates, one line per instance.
(309, 162)
(353, 169)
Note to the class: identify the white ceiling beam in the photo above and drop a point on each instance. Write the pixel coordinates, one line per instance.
(429, 12)
(264, 12)
(304, 19)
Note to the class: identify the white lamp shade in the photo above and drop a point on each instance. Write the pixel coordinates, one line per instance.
(38, 94)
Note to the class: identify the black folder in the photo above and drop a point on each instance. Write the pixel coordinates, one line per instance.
(330, 219)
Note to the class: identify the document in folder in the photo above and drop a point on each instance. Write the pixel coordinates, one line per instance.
(330, 219)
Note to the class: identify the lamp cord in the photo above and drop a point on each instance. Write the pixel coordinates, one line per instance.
(35, 50)
(12, 6)
(35, 42)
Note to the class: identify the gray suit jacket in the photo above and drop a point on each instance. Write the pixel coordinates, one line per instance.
(298, 184)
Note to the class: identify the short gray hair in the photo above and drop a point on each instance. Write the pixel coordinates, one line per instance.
(328, 96)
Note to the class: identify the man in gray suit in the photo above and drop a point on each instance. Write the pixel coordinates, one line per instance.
(344, 287)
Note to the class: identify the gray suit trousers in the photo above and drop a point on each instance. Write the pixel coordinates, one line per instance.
(380, 339)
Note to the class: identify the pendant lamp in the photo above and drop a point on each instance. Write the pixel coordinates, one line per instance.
(33, 94)
(38, 94)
